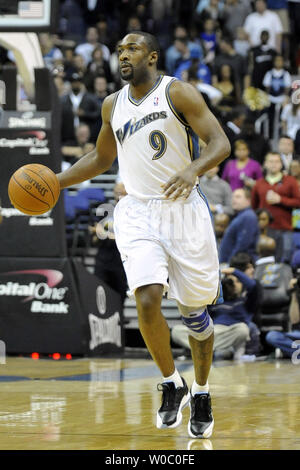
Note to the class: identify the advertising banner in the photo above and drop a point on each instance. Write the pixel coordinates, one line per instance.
(22, 235)
(39, 306)
(50, 305)
(103, 311)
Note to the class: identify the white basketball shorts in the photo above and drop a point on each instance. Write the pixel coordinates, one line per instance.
(170, 243)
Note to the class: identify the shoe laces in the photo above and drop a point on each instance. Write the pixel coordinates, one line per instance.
(169, 395)
(202, 410)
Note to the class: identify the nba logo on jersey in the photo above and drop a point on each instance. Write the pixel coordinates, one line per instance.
(155, 101)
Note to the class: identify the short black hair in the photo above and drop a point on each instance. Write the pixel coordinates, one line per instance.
(150, 40)
(241, 261)
(266, 211)
(228, 289)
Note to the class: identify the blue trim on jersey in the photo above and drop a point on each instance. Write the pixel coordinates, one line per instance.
(138, 102)
(179, 116)
(193, 143)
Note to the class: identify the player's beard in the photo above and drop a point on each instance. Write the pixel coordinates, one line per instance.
(128, 75)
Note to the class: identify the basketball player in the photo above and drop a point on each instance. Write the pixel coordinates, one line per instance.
(151, 125)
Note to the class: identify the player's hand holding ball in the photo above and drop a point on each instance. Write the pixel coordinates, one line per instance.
(34, 189)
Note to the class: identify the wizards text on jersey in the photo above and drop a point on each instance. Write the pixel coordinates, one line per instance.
(132, 126)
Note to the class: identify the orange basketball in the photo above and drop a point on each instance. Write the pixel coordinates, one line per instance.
(33, 189)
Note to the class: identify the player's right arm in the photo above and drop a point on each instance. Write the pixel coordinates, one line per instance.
(98, 160)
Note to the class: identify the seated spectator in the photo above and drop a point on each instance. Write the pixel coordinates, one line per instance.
(217, 192)
(243, 262)
(208, 39)
(235, 123)
(261, 58)
(290, 119)
(78, 106)
(286, 148)
(86, 49)
(277, 81)
(76, 65)
(242, 171)
(221, 222)
(279, 193)
(173, 54)
(260, 20)
(97, 66)
(258, 145)
(266, 247)
(71, 153)
(231, 318)
(265, 218)
(100, 91)
(190, 58)
(226, 54)
(241, 43)
(52, 55)
(210, 91)
(62, 86)
(133, 24)
(228, 87)
(242, 232)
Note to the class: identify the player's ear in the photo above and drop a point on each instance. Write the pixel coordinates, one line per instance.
(153, 57)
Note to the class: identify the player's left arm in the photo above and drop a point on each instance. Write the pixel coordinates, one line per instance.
(188, 101)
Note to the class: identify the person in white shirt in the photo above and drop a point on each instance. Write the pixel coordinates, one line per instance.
(286, 148)
(290, 119)
(277, 81)
(86, 49)
(212, 92)
(263, 19)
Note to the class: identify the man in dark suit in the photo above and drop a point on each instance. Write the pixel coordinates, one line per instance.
(78, 107)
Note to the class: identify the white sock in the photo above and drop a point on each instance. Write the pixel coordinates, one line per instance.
(175, 377)
(199, 388)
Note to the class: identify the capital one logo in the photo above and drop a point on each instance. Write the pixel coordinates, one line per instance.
(38, 292)
(35, 290)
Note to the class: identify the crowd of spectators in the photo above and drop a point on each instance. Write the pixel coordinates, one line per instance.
(244, 57)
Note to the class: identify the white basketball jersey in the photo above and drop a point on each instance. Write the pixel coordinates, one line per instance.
(154, 142)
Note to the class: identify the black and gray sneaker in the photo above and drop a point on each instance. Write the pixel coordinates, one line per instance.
(174, 400)
(201, 422)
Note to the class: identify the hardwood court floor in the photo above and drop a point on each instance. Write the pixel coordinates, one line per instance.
(111, 404)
